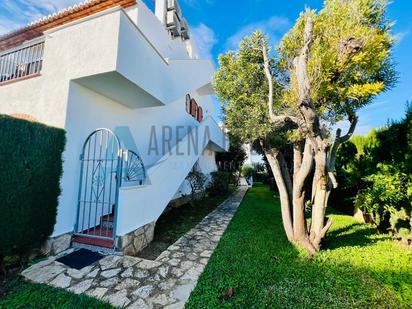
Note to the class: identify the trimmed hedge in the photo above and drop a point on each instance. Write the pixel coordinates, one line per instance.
(30, 171)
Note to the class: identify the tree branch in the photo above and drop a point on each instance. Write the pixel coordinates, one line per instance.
(270, 80)
(272, 156)
(302, 61)
(311, 124)
(333, 179)
(297, 156)
(274, 119)
(306, 167)
(339, 140)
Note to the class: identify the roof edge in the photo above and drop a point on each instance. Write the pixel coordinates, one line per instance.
(64, 16)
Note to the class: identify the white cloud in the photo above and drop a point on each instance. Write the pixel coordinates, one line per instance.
(399, 36)
(7, 25)
(17, 13)
(274, 27)
(205, 39)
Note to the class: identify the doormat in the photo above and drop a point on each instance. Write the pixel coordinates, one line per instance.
(80, 258)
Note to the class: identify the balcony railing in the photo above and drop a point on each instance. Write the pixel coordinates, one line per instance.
(21, 62)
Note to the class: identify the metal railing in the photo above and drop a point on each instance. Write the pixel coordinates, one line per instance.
(134, 173)
(21, 62)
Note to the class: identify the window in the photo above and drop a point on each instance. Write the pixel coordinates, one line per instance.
(193, 108)
(188, 103)
(199, 114)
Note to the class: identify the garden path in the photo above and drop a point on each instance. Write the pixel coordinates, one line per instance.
(138, 283)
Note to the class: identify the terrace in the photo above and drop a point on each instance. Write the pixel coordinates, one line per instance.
(22, 62)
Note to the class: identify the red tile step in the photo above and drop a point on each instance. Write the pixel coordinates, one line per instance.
(97, 242)
(106, 243)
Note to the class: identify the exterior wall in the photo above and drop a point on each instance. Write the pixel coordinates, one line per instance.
(109, 42)
(68, 53)
(88, 110)
(55, 245)
(167, 79)
(153, 28)
(207, 164)
(134, 242)
(141, 205)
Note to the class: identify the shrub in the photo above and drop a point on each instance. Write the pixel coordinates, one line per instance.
(232, 160)
(358, 161)
(31, 167)
(196, 180)
(219, 184)
(247, 171)
(262, 177)
(388, 199)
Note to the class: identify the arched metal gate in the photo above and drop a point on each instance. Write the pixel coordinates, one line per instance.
(101, 168)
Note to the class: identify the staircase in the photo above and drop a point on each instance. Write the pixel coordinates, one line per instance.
(105, 229)
(143, 205)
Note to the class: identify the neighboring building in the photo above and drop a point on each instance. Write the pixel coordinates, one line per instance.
(252, 157)
(115, 65)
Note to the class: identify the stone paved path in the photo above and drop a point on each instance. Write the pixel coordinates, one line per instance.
(137, 283)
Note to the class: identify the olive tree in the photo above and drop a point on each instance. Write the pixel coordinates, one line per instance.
(328, 66)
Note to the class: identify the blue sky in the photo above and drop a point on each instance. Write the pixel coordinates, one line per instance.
(219, 25)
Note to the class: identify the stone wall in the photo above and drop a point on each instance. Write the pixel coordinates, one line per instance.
(55, 245)
(134, 242)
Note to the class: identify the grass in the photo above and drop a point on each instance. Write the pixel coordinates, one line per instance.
(178, 221)
(357, 269)
(19, 294)
(24, 295)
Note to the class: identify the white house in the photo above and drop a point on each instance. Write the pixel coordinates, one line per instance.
(129, 88)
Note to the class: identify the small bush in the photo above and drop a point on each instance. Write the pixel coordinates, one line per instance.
(219, 184)
(196, 180)
(247, 171)
(262, 177)
(30, 171)
(388, 199)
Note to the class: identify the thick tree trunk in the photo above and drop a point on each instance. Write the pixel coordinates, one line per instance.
(320, 195)
(302, 167)
(299, 220)
(317, 148)
(277, 164)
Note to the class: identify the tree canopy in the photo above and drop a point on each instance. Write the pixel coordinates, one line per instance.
(329, 65)
(349, 64)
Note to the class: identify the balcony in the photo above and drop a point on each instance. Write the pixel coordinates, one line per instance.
(21, 63)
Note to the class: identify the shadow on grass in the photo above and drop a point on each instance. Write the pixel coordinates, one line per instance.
(25, 295)
(356, 234)
(264, 270)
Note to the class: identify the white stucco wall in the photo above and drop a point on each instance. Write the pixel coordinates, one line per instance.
(69, 52)
(206, 164)
(141, 205)
(109, 42)
(88, 110)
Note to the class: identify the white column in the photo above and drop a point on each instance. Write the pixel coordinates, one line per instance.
(160, 10)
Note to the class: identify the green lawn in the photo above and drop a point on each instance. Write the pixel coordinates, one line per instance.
(357, 268)
(24, 295)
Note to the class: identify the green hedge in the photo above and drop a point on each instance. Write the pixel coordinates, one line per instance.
(30, 171)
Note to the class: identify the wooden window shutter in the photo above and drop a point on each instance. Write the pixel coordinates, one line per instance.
(199, 114)
(188, 103)
(193, 108)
